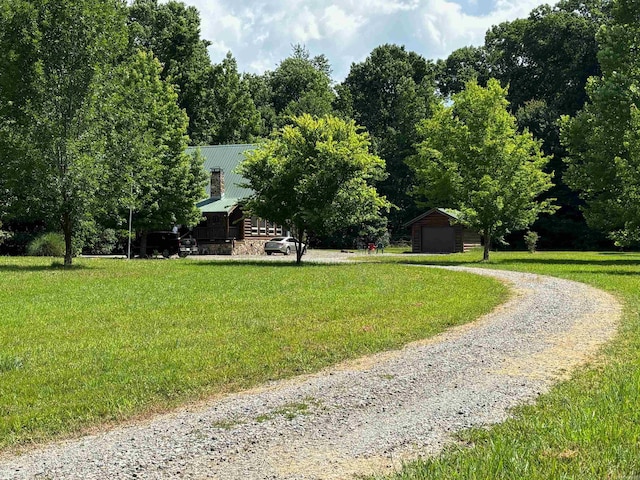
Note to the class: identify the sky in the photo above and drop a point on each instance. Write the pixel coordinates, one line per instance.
(260, 33)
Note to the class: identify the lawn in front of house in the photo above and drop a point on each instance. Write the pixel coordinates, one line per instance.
(585, 428)
(109, 340)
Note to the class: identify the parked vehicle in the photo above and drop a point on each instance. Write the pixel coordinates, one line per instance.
(188, 246)
(284, 245)
(167, 244)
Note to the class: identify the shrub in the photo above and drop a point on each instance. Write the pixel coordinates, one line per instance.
(531, 240)
(47, 245)
(3, 235)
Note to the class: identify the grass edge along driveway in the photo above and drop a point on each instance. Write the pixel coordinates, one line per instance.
(110, 340)
(585, 428)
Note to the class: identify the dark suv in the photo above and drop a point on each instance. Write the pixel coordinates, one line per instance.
(167, 244)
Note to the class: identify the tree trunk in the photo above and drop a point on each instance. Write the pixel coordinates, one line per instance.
(67, 231)
(487, 247)
(298, 234)
(143, 244)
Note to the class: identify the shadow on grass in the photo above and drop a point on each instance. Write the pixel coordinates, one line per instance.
(568, 261)
(55, 266)
(266, 263)
(448, 260)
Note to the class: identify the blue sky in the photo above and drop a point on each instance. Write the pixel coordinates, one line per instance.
(260, 33)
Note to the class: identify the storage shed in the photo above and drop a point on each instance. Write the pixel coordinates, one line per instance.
(439, 231)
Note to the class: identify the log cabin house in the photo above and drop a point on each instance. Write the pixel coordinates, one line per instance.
(439, 231)
(225, 229)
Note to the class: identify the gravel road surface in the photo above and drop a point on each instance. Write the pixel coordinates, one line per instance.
(365, 416)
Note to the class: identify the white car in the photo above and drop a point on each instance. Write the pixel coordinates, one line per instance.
(284, 245)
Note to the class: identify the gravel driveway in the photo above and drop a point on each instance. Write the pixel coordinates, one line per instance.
(360, 417)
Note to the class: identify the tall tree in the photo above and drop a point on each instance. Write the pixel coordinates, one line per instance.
(546, 60)
(604, 138)
(462, 66)
(473, 159)
(388, 94)
(144, 144)
(261, 92)
(236, 119)
(171, 31)
(315, 175)
(46, 107)
(301, 84)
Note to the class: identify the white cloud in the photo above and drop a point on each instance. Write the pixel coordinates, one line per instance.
(304, 26)
(260, 33)
(338, 22)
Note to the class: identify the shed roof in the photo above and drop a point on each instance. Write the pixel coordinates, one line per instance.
(227, 158)
(449, 212)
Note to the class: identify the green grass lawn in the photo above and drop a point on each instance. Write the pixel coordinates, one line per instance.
(109, 339)
(585, 428)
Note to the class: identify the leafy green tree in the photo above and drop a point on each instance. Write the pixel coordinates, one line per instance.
(53, 52)
(388, 94)
(144, 143)
(315, 175)
(462, 66)
(171, 31)
(236, 118)
(259, 88)
(472, 158)
(604, 138)
(546, 60)
(301, 84)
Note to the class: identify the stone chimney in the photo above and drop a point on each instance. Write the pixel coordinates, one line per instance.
(217, 183)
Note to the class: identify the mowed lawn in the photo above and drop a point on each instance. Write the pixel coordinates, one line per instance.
(109, 340)
(585, 428)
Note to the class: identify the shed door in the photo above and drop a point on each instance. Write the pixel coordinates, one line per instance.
(438, 240)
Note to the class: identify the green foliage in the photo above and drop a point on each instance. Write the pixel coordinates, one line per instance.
(531, 240)
(462, 66)
(235, 118)
(171, 31)
(3, 235)
(116, 339)
(473, 159)
(49, 244)
(604, 138)
(48, 75)
(144, 143)
(388, 94)
(301, 85)
(259, 87)
(95, 239)
(548, 56)
(546, 60)
(315, 175)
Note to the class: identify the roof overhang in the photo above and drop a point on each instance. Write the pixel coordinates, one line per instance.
(453, 214)
(223, 205)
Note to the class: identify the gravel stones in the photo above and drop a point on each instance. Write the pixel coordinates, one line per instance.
(360, 417)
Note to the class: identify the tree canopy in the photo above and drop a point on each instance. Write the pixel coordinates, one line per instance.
(604, 138)
(144, 144)
(86, 119)
(50, 160)
(473, 159)
(315, 175)
(388, 94)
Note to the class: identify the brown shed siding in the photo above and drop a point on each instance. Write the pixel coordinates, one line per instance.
(464, 239)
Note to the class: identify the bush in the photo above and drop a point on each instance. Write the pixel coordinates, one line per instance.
(3, 235)
(101, 242)
(531, 240)
(47, 245)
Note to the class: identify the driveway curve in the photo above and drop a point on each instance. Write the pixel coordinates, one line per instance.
(360, 417)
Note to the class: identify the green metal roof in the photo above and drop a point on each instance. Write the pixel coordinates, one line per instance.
(225, 204)
(227, 158)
